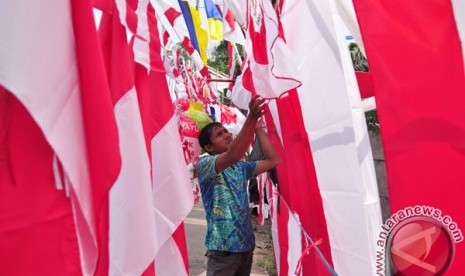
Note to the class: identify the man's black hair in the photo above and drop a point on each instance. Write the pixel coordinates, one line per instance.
(205, 133)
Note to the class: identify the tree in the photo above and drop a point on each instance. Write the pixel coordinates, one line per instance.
(360, 63)
(219, 59)
(358, 59)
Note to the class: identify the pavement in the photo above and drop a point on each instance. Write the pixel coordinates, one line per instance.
(196, 228)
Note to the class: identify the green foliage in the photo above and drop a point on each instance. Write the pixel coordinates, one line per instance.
(183, 52)
(371, 118)
(360, 64)
(225, 99)
(358, 59)
(219, 59)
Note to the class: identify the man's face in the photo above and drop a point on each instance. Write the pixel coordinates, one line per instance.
(220, 140)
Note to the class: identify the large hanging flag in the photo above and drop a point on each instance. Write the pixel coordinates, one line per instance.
(297, 179)
(37, 229)
(58, 75)
(337, 133)
(165, 149)
(420, 107)
(132, 239)
(269, 69)
(303, 213)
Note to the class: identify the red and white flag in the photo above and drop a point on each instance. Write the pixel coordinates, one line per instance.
(286, 235)
(420, 105)
(37, 229)
(232, 32)
(269, 69)
(132, 239)
(337, 133)
(57, 73)
(289, 138)
(299, 188)
(172, 192)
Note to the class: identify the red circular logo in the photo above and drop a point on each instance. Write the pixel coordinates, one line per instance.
(420, 246)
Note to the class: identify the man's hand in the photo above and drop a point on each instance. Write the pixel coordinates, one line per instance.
(239, 145)
(260, 124)
(257, 106)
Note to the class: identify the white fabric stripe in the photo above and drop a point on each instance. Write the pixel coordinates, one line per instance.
(346, 10)
(40, 69)
(132, 224)
(459, 13)
(170, 178)
(371, 207)
(172, 188)
(169, 260)
(67, 185)
(240, 96)
(274, 227)
(141, 48)
(368, 104)
(332, 129)
(295, 242)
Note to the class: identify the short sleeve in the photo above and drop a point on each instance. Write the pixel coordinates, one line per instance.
(206, 168)
(249, 168)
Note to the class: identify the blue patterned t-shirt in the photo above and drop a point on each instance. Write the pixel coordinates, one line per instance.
(224, 196)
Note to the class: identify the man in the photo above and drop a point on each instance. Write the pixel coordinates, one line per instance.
(223, 183)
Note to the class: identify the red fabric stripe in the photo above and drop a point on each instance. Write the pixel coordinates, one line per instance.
(101, 132)
(420, 104)
(302, 192)
(131, 16)
(259, 45)
(166, 37)
(150, 271)
(156, 62)
(179, 237)
(230, 19)
(365, 84)
(282, 214)
(103, 5)
(162, 110)
(156, 105)
(188, 45)
(172, 14)
(117, 57)
(37, 231)
(152, 88)
(247, 80)
(231, 60)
